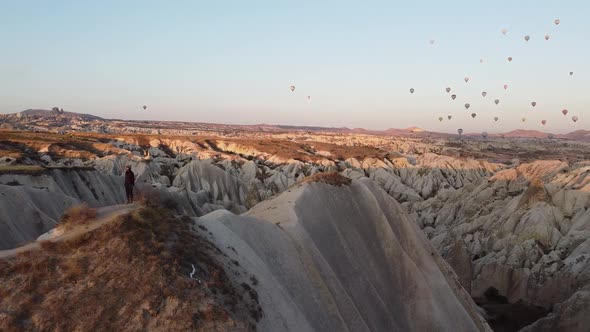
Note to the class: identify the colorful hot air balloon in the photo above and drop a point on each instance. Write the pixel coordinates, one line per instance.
(453, 97)
(556, 21)
(575, 118)
(467, 106)
(144, 107)
(509, 59)
(440, 118)
(543, 122)
(484, 134)
(534, 103)
(505, 86)
(546, 37)
(448, 89)
(466, 79)
(523, 119)
(504, 31)
(496, 119)
(449, 117)
(484, 94)
(527, 38)
(496, 101)
(412, 90)
(292, 87)
(564, 112)
(473, 115)
(460, 131)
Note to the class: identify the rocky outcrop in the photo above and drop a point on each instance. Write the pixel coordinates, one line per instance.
(345, 257)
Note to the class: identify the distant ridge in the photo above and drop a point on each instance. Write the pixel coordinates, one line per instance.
(44, 112)
(56, 117)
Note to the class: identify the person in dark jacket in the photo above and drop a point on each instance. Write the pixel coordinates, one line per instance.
(129, 183)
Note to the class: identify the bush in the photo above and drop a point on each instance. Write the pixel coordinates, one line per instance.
(149, 196)
(77, 214)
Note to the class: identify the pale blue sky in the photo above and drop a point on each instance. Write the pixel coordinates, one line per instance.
(233, 61)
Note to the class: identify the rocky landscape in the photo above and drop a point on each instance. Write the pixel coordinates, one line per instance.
(510, 215)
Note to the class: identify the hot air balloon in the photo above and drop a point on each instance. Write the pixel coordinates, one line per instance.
(523, 119)
(292, 87)
(484, 94)
(460, 131)
(448, 90)
(484, 134)
(496, 119)
(534, 103)
(412, 90)
(480, 60)
(571, 73)
(449, 117)
(440, 118)
(505, 86)
(543, 122)
(575, 118)
(546, 37)
(564, 112)
(466, 79)
(308, 97)
(496, 101)
(527, 38)
(467, 106)
(504, 31)
(556, 21)
(509, 59)
(453, 97)
(432, 42)
(144, 107)
(473, 115)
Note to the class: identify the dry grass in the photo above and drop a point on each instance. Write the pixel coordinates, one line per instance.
(22, 169)
(131, 274)
(331, 178)
(77, 215)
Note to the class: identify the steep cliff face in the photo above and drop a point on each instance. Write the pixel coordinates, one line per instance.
(342, 257)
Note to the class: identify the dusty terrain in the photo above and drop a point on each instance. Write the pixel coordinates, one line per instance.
(509, 214)
(132, 272)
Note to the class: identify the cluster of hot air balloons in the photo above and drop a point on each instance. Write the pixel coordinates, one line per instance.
(496, 101)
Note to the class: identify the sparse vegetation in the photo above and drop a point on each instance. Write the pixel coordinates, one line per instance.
(331, 178)
(77, 215)
(130, 274)
(22, 169)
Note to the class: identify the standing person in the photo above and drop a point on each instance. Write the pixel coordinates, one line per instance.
(129, 183)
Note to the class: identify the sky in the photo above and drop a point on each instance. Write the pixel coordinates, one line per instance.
(234, 61)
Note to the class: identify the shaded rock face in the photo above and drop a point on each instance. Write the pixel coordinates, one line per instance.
(38, 212)
(571, 315)
(333, 258)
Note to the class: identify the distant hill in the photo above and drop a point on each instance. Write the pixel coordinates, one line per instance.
(57, 117)
(522, 133)
(44, 112)
(579, 135)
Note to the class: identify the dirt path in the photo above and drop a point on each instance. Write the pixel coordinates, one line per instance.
(103, 216)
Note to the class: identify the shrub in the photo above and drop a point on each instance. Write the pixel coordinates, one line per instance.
(147, 196)
(77, 214)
